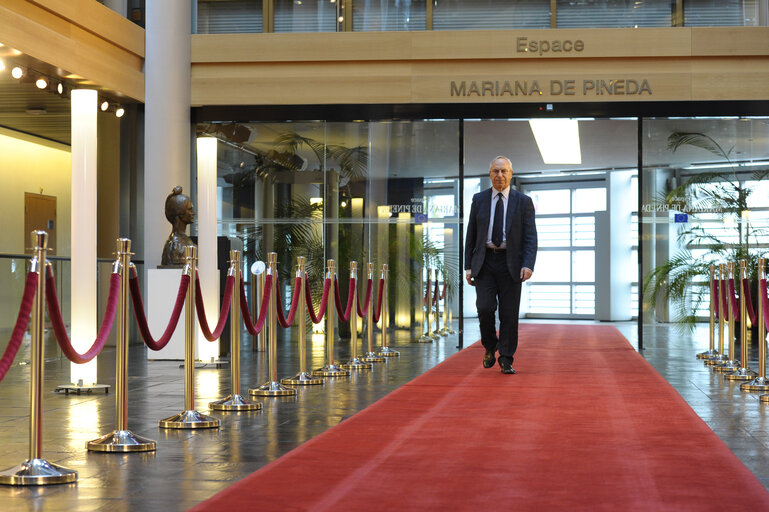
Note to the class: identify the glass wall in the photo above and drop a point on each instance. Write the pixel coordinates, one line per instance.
(705, 200)
(380, 192)
(234, 16)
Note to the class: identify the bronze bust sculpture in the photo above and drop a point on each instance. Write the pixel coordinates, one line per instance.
(179, 212)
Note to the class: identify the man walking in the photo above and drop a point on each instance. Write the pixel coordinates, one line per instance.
(500, 251)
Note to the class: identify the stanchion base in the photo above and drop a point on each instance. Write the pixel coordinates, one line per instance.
(189, 419)
(331, 370)
(727, 366)
(234, 403)
(77, 388)
(373, 358)
(764, 399)
(716, 360)
(121, 441)
(451, 331)
(37, 472)
(301, 379)
(272, 388)
(388, 352)
(757, 384)
(423, 339)
(741, 374)
(710, 354)
(357, 364)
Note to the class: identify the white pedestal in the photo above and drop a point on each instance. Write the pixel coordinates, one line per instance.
(162, 289)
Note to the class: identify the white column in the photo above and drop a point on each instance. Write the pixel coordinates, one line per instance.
(167, 117)
(207, 264)
(83, 230)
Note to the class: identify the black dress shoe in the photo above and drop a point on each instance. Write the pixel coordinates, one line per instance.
(507, 368)
(489, 359)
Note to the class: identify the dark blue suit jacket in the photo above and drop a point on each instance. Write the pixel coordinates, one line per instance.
(520, 235)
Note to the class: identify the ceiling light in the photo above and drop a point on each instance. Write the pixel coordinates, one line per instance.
(17, 72)
(104, 105)
(41, 83)
(2, 65)
(60, 88)
(558, 140)
(119, 112)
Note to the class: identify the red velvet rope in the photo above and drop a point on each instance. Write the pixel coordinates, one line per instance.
(733, 300)
(282, 320)
(252, 329)
(748, 301)
(216, 334)
(363, 312)
(714, 296)
(22, 320)
(724, 303)
(435, 293)
(378, 312)
(141, 317)
(443, 292)
(427, 292)
(54, 313)
(316, 319)
(764, 302)
(344, 317)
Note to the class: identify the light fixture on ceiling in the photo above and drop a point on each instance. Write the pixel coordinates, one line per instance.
(41, 83)
(104, 106)
(60, 88)
(17, 72)
(119, 112)
(557, 140)
(2, 65)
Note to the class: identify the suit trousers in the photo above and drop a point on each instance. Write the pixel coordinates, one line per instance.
(495, 286)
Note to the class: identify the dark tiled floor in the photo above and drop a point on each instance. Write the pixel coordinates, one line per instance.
(190, 466)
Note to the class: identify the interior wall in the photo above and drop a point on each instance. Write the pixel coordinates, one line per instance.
(29, 164)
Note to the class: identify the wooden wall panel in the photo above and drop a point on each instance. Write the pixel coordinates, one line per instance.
(678, 64)
(107, 51)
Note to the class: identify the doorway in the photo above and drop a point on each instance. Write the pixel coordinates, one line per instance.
(39, 214)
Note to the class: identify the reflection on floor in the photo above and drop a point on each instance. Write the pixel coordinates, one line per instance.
(190, 466)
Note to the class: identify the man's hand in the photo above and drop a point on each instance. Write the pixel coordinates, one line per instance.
(469, 278)
(525, 273)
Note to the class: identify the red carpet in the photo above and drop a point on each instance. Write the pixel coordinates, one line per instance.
(586, 424)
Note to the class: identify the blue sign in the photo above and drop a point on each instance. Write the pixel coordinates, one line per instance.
(420, 218)
(681, 218)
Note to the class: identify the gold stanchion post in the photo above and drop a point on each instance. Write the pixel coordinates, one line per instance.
(303, 378)
(36, 470)
(721, 356)
(711, 352)
(371, 356)
(272, 387)
(742, 373)
(122, 439)
(257, 292)
(731, 364)
(446, 323)
(355, 363)
(235, 401)
(426, 336)
(386, 351)
(189, 417)
(760, 383)
(331, 369)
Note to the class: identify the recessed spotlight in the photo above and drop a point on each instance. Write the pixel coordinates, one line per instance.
(104, 105)
(119, 112)
(17, 72)
(41, 83)
(2, 65)
(340, 19)
(60, 88)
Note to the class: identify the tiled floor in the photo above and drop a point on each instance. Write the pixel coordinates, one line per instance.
(190, 466)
